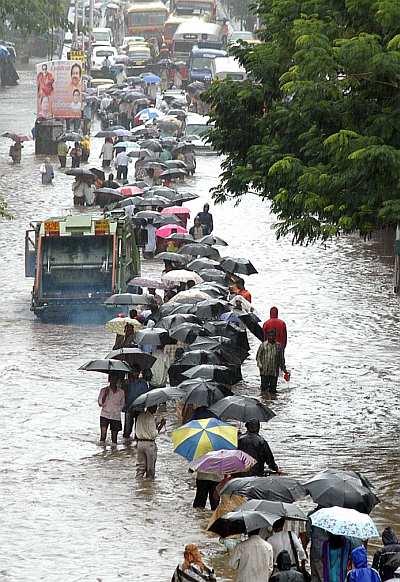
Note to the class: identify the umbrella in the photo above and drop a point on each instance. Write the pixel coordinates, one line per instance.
(168, 229)
(117, 325)
(221, 374)
(211, 239)
(202, 392)
(172, 174)
(242, 408)
(70, 136)
(198, 357)
(272, 488)
(287, 510)
(187, 332)
(196, 86)
(250, 320)
(342, 521)
(185, 197)
(151, 78)
(173, 321)
(151, 144)
(98, 173)
(238, 265)
(238, 522)
(156, 396)
(121, 133)
(153, 336)
(105, 196)
(197, 437)
(176, 164)
(133, 357)
(177, 210)
(172, 257)
(130, 190)
(203, 263)
(154, 201)
(181, 276)
(191, 296)
(81, 173)
(339, 488)
(148, 283)
(129, 299)
(147, 214)
(165, 220)
(199, 250)
(212, 275)
(182, 237)
(106, 366)
(175, 308)
(211, 308)
(147, 114)
(223, 461)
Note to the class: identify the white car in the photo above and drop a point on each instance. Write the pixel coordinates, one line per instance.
(100, 53)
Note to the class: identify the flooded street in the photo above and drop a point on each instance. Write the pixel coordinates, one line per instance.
(71, 511)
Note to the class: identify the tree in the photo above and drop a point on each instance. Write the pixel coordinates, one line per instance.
(317, 131)
(34, 16)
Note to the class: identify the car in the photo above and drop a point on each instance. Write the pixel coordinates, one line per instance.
(236, 35)
(100, 53)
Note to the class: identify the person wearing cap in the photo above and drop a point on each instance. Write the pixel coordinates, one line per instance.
(257, 447)
(270, 360)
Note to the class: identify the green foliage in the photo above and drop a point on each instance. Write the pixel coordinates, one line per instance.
(33, 16)
(317, 130)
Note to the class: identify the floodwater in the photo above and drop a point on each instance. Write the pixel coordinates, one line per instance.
(71, 511)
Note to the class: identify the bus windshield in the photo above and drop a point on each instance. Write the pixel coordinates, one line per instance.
(146, 18)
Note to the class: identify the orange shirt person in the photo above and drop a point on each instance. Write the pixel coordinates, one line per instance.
(241, 290)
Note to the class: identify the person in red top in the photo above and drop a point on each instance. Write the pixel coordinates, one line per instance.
(240, 289)
(278, 325)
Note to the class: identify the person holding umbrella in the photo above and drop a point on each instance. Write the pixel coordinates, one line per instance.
(135, 386)
(111, 400)
(146, 432)
(62, 152)
(270, 360)
(253, 559)
(76, 155)
(257, 447)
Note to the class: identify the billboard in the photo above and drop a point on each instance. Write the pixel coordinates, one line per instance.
(59, 89)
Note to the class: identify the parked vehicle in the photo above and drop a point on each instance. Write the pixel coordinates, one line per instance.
(77, 262)
(227, 68)
(200, 63)
(102, 36)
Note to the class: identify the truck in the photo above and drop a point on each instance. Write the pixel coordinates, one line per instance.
(78, 261)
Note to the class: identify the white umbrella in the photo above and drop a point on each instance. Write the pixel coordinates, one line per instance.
(345, 522)
(190, 296)
(181, 276)
(117, 325)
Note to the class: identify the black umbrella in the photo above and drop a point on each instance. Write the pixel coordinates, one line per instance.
(198, 357)
(154, 336)
(80, 172)
(238, 265)
(182, 237)
(181, 197)
(172, 257)
(156, 397)
(130, 299)
(238, 522)
(176, 164)
(98, 173)
(343, 489)
(210, 275)
(154, 165)
(272, 488)
(220, 374)
(176, 308)
(183, 146)
(211, 341)
(106, 196)
(167, 219)
(106, 366)
(133, 357)
(147, 214)
(202, 392)
(139, 184)
(242, 408)
(211, 308)
(199, 250)
(130, 201)
(251, 320)
(70, 136)
(203, 263)
(162, 191)
(173, 321)
(287, 510)
(105, 133)
(187, 332)
(172, 174)
(156, 201)
(195, 87)
(211, 239)
(151, 144)
(221, 328)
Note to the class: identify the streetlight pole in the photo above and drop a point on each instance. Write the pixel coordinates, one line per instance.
(91, 16)
(76, 24)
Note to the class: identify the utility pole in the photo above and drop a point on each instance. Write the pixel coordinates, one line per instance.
(83, 23)
(91, 16)
(76, 24)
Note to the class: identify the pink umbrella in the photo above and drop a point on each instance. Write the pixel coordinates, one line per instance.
(223, 461)
(168, 229)
(177, 210)
(130, 190)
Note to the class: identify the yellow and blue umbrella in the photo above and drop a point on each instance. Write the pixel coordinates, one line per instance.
(197, 437)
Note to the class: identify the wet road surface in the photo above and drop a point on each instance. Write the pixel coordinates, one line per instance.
(71, 511)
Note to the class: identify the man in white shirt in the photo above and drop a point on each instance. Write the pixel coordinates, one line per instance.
(121, 163)
(107, 152)
(280, 540)
(253, 559)
(146, 432)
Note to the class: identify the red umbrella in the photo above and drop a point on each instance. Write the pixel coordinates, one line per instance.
(177, 210)
(130, 190)
(16, 136)
(168, 229)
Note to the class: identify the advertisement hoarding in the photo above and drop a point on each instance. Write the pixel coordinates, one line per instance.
(59, 89)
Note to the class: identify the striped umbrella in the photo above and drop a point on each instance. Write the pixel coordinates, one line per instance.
(197, 437)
